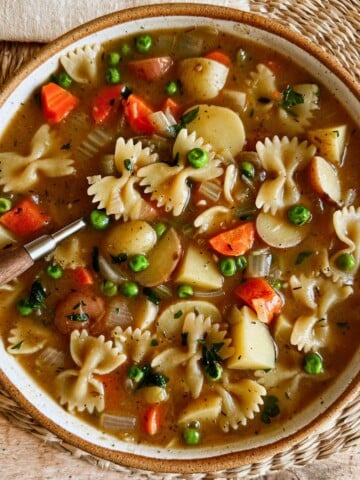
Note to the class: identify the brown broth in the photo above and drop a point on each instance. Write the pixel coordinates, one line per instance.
(66, 199)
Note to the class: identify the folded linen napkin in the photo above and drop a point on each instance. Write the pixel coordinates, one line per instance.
(44, 20)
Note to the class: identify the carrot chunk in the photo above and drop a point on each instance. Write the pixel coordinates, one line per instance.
(258, 294)
(152, 419)
(172, 106)
(137, 113)
(235, 241)
(25, 218)
(57, 102)
(219, 56)
(105, 102)
(82, 276)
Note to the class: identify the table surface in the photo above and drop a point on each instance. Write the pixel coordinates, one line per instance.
(24, 456)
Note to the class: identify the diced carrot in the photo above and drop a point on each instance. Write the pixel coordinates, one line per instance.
(114, 389)
(219, 56)
(152, 419)
(105, 102)
(258, 294)
(235, 241)
(277, 95)
(25, 218)
(82, 276)
(137, 113)
(174, 107)
(57, 102)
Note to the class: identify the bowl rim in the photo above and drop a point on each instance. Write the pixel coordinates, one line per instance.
(228, 460)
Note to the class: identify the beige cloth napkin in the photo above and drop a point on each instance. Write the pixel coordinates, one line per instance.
(44, 20)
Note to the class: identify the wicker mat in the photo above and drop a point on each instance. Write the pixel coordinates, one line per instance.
(335, 26)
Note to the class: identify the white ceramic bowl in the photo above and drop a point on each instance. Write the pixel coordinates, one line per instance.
(22, 388)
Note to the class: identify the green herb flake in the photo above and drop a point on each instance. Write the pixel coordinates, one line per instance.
(128, 165)
(271, 408)
(154, 342)
(342, 324)
(290, 99)
(37, 295)
(184, 120)
(178, 314)
(302, 256)
(78, 317)
(17, 346)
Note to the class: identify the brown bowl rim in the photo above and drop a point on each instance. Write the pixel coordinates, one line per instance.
(228, 460)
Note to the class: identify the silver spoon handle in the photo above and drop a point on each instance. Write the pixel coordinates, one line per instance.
(16, 262)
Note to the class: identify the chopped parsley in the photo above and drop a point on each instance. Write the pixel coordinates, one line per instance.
(184, 120)
(78, 317)
(151, 378)
(271, 408)
(291, 99)
(17, 346)
(37, 295)
(302, 256)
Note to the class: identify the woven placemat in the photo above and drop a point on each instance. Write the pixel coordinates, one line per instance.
(335, 26)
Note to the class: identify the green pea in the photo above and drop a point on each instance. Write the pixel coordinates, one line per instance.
(64, 80)
(54, 271)
(129, 289)
(299, 215)
(228, 266)
(241, 262)
(172, 87)
(24, 308)
(197, 157)
(345, 262)
(5, 205)
(109, 288)
(313, 364)
(277, 284)
(214, 371)
(135, 373)
(191, 436)
(185, 291)
(143, 43)
(112, 75)
(247, 169)
(160, 229)
(99, 219)
(113, 59)
(138, 263)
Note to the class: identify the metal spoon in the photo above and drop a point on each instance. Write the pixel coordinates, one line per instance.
(16, 262)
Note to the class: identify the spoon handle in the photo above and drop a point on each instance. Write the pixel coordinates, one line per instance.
(13, 264)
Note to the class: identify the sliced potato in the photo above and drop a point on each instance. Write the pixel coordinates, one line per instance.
(6, 237)
(204, 409)
(219, 126)
(131, 238)
(252, 341)
(198, 269)
(170, 322)
(324, 179)
(278, 232)
(202, 78)
(163, 259)
(330, 142)
(145, 313)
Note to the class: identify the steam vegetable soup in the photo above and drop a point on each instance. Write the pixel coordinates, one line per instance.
(214, 288)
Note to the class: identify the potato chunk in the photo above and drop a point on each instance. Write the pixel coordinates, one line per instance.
(324, 179)
(330, 142)
(202, 78)
(204, 409)
(252, 341)
(130, 238)
(199, 270)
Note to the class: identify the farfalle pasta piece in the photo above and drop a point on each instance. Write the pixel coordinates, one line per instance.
(168, 185)
(130, 156)
(134, 342)
(28, 336)
(79, 389)
(347, 228)
(240, 402)
(197, 329)
(295, 120)
(262, 85)
(82, 63)
(281, 158)
(19, 173)
(317, 295)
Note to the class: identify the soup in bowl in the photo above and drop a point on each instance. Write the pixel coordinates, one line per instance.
(209, 309)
